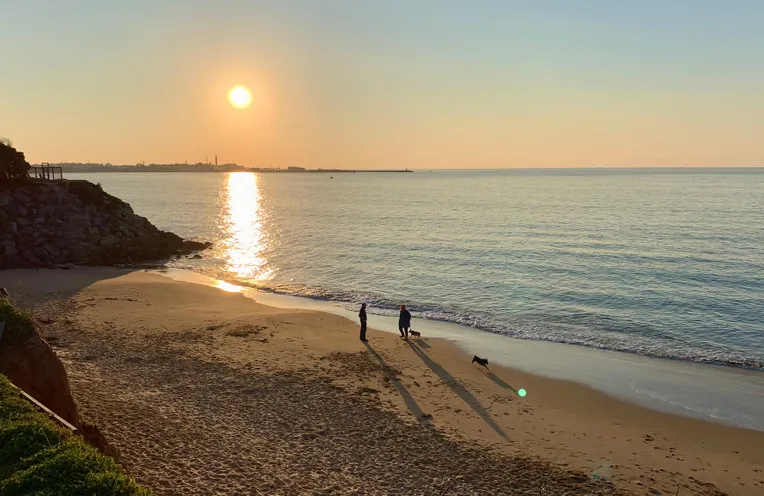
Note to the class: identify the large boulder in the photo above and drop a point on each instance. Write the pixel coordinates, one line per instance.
(32, 365)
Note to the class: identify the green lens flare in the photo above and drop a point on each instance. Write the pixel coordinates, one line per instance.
(522, 393)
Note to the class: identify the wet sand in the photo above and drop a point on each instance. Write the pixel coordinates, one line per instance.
(208, 392)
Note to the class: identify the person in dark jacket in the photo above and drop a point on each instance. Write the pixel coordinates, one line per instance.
(404, 322)
(362, 316)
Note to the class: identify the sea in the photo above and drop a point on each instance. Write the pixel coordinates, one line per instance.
(666, 263)
(643, 264)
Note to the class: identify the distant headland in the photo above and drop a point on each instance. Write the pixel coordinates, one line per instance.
(201, 167)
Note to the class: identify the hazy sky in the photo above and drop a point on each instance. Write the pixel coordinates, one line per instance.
(393, 83)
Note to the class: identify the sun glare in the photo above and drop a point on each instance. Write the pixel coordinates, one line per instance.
(240, 97)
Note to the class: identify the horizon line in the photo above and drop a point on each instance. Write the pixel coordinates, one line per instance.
(589, 167)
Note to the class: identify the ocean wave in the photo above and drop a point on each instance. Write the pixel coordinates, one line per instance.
(577, 331)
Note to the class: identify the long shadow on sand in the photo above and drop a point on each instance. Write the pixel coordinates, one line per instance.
(30, 287)
(411, 403)
(458, 388)
(499, 381)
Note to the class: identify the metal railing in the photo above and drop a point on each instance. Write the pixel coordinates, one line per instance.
(46, 172)
(44, 409)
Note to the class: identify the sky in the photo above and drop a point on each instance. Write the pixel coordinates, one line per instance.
(386, 84)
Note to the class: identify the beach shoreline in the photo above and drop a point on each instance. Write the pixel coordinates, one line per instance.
(428, 382)
(726, 394)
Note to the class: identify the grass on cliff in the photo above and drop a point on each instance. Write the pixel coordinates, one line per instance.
(39, 457)
(18, 324)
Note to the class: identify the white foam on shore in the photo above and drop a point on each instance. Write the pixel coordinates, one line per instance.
(724, 394)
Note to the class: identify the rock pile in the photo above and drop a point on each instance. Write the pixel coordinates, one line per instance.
(44, 224)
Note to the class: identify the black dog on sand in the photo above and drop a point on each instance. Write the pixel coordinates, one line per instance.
(480, 361)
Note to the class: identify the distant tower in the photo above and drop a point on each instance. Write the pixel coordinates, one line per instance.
(216, 160)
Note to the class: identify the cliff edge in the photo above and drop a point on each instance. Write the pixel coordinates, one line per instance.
(29, 361)
(38, 456)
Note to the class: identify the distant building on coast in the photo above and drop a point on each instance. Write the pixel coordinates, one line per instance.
(197, 167)
(142, 167)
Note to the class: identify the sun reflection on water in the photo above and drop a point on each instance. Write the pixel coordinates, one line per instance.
(245, 241)
(228, 287)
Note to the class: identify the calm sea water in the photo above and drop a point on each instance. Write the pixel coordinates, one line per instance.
(661, 263)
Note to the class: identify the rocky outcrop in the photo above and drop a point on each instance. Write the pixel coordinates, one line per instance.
(32, 365)
(29, 362)
(46, 224)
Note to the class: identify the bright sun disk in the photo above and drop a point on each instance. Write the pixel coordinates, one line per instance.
(239, 96)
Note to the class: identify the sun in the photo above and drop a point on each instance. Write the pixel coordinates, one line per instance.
(240, 97)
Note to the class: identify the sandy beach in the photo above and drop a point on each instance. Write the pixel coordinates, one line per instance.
(209, 392)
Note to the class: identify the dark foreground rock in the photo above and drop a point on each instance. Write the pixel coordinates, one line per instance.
(29, 362)
(45, 224)
(32, 365)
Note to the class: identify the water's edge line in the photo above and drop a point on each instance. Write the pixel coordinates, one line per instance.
(428, 314)
(310, 304)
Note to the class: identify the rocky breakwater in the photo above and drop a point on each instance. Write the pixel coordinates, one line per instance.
(48, 224)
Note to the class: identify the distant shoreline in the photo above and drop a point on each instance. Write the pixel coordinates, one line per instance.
(515, 170)
(270, 171)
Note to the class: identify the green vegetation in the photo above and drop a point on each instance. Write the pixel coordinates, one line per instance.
(39, 457)
(13, 165)
(18, 325)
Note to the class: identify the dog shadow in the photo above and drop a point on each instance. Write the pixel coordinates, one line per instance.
(458, 388)
(496, 379)
(409, 400)
(422, 343)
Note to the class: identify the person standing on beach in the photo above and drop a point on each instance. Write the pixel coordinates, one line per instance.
(362, 316)
(404, 322)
